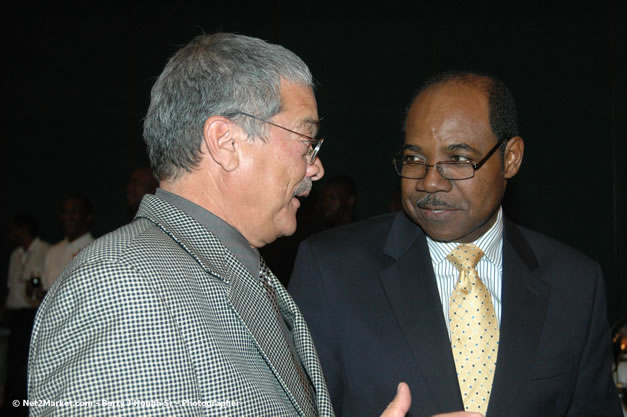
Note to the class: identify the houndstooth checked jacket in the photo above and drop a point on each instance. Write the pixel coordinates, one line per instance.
(159, 318)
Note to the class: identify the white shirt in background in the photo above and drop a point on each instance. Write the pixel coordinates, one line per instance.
(59, 255)
(24, 264)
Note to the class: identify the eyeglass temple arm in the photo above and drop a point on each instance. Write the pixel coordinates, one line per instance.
(489, 154)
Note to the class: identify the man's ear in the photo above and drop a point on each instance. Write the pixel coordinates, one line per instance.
(513, 156)
(219, 137)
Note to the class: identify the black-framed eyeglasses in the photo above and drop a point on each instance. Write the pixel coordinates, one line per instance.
(407, 166)
(313, 143)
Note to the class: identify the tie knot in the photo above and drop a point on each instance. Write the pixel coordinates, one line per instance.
(465, 256)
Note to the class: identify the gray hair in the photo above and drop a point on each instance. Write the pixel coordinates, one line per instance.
(220, 74)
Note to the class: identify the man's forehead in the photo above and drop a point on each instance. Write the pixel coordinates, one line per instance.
(298, 104)
(293, 94)
(449, 114)
(309, 124)
(455, 145)
(452, 97)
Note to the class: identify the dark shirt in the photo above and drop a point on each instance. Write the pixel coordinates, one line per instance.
(232, 239)
(228, 235)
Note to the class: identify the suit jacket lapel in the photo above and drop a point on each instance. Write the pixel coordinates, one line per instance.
(525, 298)
(410, 286)
(247, 296)
(411, 289)
(201, 244)
(251, 303)
(304, 346)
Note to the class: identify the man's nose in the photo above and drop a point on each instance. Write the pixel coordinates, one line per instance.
(433, 181)
(315, 171)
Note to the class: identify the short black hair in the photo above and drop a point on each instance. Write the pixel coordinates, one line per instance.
(86, 202)
(501, 107)
(27, 222)
(345, 181)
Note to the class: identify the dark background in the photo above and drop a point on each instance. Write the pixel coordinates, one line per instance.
(76, 81)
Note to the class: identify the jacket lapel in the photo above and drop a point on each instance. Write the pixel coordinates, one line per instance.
(304, 346)
(252, 305)
(410, 286)
(247, 295)
(525, 298)
(201, 244)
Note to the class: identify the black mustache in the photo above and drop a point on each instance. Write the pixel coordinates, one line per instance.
(432, 202)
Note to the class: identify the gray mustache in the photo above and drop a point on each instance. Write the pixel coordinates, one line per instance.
(304, 187)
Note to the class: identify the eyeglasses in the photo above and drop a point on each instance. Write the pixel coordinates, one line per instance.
(314, 144)
(408, 167)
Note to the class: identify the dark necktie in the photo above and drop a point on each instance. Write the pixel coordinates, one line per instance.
(305, 384)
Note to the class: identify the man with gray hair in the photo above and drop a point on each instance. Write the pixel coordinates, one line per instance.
(176, 313)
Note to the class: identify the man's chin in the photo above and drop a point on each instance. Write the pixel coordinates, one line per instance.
(289, 232)
(438, 231)
(288, 228)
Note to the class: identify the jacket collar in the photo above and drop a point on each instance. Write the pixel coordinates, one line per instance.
(410, 286)
(246, 294)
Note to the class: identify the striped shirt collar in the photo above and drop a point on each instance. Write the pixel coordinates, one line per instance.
(490, 243)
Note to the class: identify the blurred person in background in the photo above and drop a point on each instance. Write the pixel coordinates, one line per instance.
(25, 268)
(141, 182)
(338, 198)
(77, 217)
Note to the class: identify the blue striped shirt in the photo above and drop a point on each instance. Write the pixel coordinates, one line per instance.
(490, 266)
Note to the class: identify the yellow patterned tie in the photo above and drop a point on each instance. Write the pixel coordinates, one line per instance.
(474, 330)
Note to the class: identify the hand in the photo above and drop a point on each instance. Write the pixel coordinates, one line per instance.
(400, 404)
(28, 289)
(34, 296)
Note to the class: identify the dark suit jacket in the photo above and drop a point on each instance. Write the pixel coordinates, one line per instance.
(368, 293)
